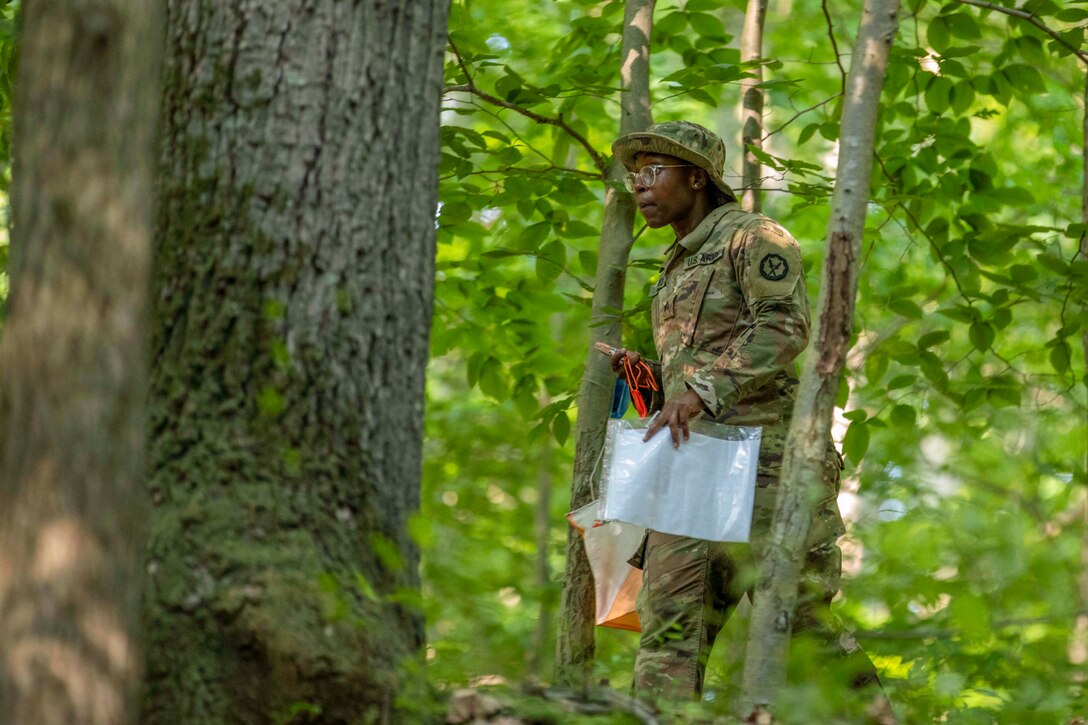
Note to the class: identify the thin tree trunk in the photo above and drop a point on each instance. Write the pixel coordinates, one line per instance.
(776, 591)
(575, 641)
(542, 529)
(74, 368)
(294, 278)
(751, 104)
(1084, 234)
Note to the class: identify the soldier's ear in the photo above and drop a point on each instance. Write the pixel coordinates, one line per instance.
(698, 179)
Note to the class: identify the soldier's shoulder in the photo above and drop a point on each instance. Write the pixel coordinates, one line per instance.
(732, 223)
(774, 231)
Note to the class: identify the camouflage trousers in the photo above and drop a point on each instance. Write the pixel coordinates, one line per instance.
(691, 587)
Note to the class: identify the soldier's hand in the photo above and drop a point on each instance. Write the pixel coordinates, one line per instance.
(619, 356)
(675, 414)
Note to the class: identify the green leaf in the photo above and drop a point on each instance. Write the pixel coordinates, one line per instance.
(493, 382)
(509, 86)
(856, 415)
(906, 308)
(531, 236)
(674, 22)
(1024, 78)
(1053, 262)
(897, 348)
(1059, 357)
(1022, 273)
(454, 212)
(856, 441)
(900, 381)
(525, 397)
(933, 369)
(903, 416)
(550, 261)
(959, 313)
(982, 335)
(806, 133)
(875, 366)
(937, 95)
(1072, 15)
(706, 25)
(930, 339)
(575, 229)
(561, 427)
(509, 156)
(963, 95)
(938, 33)
(829, 130)
(1005, 395)
(962, 25)
(587, 259)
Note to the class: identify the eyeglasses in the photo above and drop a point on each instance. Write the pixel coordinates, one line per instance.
(647, 175)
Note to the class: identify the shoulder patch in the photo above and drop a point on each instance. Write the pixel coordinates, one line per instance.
(774, 267)
(772, 262)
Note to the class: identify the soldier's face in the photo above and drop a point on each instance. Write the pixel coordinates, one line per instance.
(672, 197)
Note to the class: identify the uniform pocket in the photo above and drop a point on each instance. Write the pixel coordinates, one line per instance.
(693, 307)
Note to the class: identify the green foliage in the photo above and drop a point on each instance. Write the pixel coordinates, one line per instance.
(966, 435)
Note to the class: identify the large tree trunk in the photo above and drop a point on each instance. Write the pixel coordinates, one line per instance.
(575, 642)
(751, 105)
(776, 591)
(294, 283)
(73, 364)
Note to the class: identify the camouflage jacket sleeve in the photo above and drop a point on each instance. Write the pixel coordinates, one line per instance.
(774, 328)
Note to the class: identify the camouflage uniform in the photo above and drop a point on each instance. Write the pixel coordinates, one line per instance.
(730, 315)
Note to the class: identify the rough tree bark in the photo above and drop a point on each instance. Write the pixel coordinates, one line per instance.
(294, 284)
(73, 363)
(574, 640)
(751, 104)
(776, 591)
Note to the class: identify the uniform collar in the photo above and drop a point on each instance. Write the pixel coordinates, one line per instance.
(698, 236)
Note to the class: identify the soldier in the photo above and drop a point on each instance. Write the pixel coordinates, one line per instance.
(730, 315)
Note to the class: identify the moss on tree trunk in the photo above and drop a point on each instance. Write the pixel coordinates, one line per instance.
(293, 287)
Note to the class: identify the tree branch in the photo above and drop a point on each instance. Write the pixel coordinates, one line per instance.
(470, 87)
(917, 225)
(1030, 17)
(834, 46)
(802, 112)
(461, 63)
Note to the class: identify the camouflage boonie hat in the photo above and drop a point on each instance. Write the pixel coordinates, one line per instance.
(682, 139)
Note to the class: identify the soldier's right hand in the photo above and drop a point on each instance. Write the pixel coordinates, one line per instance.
(621, 355)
